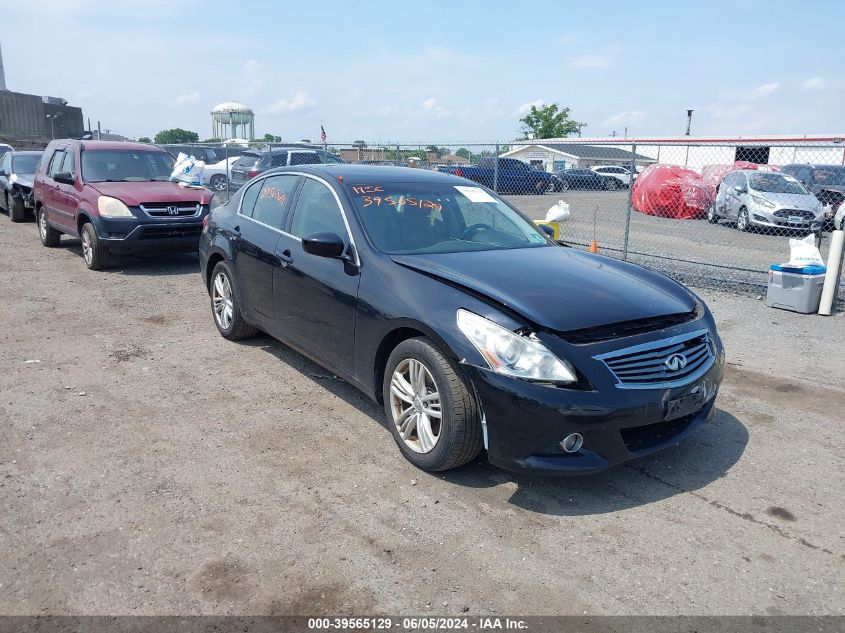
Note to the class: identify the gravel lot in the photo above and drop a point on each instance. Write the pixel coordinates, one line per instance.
(148, 466)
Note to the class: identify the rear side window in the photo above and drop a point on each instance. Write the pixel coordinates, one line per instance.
(249, 198)
(273, 200)
(56, 162)
(279, 159)
(304, 158)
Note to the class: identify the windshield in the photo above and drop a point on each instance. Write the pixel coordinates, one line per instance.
(25, 164)
(829, 176)
(125, 166)
(439, 218)
(776, 183)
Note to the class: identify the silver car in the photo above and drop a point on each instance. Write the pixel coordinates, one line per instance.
(767, 199)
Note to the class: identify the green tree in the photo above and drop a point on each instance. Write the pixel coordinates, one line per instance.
(548, 121)
(145, 139)
(212, 140)
(463, 152)
(359, 144)
(176, 135)
(272, 138)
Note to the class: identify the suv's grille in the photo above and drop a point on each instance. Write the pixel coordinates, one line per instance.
(165, 232)
(172, 209)
(665, 363)
(787, 213)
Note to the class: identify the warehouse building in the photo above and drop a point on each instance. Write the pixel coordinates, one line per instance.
(555, 155)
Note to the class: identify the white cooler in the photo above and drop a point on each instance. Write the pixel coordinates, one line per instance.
(795, 288)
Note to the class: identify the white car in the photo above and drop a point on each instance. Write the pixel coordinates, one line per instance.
(622, 174)
(216, 176)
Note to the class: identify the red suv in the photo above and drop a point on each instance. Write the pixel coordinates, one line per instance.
(117, 198)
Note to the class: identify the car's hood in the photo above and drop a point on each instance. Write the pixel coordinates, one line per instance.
(792, 200)
(25, 179)
(135, 193)
(558, 288)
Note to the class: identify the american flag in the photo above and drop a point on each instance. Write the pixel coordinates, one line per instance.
(323, 136)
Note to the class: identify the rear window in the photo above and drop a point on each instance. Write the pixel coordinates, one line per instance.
(25, 164)
(247, 161)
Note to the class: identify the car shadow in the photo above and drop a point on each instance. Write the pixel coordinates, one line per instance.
(156, 265)
(698, 461)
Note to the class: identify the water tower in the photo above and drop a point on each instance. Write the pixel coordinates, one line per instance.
(227, 117)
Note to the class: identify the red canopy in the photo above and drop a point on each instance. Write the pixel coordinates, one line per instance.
(670, 191)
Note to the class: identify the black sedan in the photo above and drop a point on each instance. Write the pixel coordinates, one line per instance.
(583, 179)
(436, 298)
(17, 172)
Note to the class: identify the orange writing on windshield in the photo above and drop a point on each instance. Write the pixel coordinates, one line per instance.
(404, 201)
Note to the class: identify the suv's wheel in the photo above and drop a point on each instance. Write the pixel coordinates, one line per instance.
(225, 305)
(541, 187)
(712, 218)
(218, 182)
(611, 184)
(742, 222)
(431, 412)
(95, 254)
(50, 237)
(564, 184)
(17, 212)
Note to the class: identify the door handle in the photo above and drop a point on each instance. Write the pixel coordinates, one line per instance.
(285, 258)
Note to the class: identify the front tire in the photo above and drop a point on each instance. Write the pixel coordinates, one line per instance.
(541, 187)
(611, 184)
(17, 212)
(429, 406)
(225, 305)
(218, 182)
(95, 254)
(50, 237)
(742, 221)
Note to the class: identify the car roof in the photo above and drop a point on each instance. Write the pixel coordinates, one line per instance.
(355, 174)
(114, 145)
(26, 153)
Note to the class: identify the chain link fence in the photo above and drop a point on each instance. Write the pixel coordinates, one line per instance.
(712, 214)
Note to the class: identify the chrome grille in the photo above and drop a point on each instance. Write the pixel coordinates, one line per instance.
(171, 209)
(669, 362)
(786, 213)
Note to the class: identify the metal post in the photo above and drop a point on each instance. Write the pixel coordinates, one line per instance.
(630, 202)
(228, 188)
(496, 170)
(397, 155)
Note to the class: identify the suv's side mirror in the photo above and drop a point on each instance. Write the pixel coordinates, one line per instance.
(64, 177)
(323, 245)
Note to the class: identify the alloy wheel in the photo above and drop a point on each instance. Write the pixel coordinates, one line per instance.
(87, 250)
(42, 226)
(416, 406)
(742, 220)
(221, 296)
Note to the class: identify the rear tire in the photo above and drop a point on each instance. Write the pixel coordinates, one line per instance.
(412, 407)
(712, 218)
(564, 185)
(218, 182)
(50, 237)
(17, 212)
(541, 187)
(226, 306)
(611, 184)
(95, 254)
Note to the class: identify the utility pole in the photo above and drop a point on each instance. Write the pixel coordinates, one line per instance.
(689, 120)
(52, 118)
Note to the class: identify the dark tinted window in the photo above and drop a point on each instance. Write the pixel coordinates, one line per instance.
(249, 198)
(56, 162)
(273, 200)
(317, 211)
(304, 158)
(278, 159)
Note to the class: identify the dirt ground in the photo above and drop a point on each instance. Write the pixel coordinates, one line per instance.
(148, 466)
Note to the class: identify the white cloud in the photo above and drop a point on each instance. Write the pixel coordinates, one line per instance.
(594, 61)
(251, 66)
(429, 104)
(525, 108)
(622, 118)
(299, 101)
(813, 83)
(432, 108)
(190, 98)
(766, 89)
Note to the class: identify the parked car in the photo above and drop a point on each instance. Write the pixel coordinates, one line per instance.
(826, 182)
(117, 198)
(584, 179)
(473, 329)
(766, 199)
(514, 176)
(17, 171)
(216, 176)
(5, 148)
(254, 162)
(622, 174)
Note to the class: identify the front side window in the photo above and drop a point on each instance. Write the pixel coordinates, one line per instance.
(417, 217)
(101, 165)
(317, 211)
(273, 199)
(68, 163)
(56, 162)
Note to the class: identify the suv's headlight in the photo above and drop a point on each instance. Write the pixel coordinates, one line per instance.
(763, 202)
(512, 354)
(113, 208)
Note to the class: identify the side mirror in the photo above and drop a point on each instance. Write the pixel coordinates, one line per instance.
(323, 245)
(738, 189)
(545, 228)
(64, 177)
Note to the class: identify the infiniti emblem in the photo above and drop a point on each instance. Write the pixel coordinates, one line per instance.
(675, 362)
(173, 210)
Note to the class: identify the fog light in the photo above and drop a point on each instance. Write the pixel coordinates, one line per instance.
(572, 443)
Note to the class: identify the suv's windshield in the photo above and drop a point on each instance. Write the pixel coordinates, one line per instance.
(776, 183)
(829, 175)
(100, 165)
(439, 218)
(25, 164)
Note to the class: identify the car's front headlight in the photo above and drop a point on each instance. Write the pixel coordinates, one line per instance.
(113, 208)
(512, 354)
(763, 202)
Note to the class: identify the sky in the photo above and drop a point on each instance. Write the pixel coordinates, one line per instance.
(439, 72)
